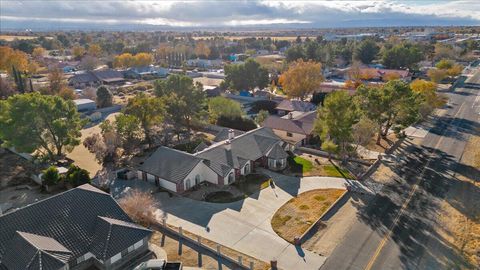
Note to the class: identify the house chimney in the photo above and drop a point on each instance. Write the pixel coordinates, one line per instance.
(228, 145)
(290, 115)
(231, 134)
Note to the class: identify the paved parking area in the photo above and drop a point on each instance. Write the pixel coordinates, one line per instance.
(245, 225)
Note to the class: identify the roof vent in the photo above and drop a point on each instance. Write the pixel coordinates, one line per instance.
(290, 115)
(231, 134)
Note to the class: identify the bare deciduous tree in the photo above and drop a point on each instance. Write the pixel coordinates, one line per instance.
(140, 206)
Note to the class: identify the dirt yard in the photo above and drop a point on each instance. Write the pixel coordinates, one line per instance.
(16, 187)
(384, 144)
(297, 215)
(189, 256)
(460, 217)
(82, 157)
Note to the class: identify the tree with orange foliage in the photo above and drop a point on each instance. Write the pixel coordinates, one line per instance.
(124, 60)
(78, 52)
(202, 49)
(301, 79)
(390, 77)
(95, 50)
(10, 58)
(143, 59)
(38, 52)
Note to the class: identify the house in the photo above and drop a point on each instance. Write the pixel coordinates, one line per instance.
(82, 228)
(96, 78)
(204, 63)
(221, 163)
(85, 104)
(287, 106)
(140, 72)
(296, 128)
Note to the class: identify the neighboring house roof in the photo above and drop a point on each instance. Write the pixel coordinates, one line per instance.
(301, 124)
(107, 75)
(170, 164)
(296, 105)
(379, 73)
(222, 135)
(83, 78)
(64, 227)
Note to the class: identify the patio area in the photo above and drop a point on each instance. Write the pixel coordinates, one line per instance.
(241, 189)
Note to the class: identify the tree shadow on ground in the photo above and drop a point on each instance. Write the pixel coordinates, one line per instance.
(417, 226)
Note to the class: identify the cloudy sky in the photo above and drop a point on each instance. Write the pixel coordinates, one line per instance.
(227, 14)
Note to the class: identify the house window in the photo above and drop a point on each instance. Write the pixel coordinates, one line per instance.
(115, 258)
(247, 168)
(289, 134)
(188, 184)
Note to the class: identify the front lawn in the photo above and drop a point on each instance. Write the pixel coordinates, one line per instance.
(304, 167)
(295, 217)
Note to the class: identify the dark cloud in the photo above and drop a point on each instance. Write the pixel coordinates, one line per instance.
(238, 13)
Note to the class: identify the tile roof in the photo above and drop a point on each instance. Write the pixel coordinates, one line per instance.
(296, 105)
(170, 164)
(46, 230)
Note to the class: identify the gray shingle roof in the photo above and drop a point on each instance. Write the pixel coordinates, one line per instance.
(222, 135)
(170, 164)
(249, 146)
(277, 152)
(46, 230)
(302, 124)
(296, 105)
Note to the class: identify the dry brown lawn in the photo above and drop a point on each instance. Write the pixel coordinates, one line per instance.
(189, 256)
(384, 144)
(460, 217)
(297, 215)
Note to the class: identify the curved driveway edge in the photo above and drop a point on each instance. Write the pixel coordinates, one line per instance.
(245, 225)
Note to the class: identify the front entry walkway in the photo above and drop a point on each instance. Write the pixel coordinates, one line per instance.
(245, 225)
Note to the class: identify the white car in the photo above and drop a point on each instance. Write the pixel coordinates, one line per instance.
(154, 264)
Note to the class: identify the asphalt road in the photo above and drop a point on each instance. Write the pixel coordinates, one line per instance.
(396, 228)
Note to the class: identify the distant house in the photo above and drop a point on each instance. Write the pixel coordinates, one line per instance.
(83, 228)
(287, 106)
(140, 72)
(96, 78)
(85, 104)
(204, 63)
(379, 74)
(221, 163)
(295, 128)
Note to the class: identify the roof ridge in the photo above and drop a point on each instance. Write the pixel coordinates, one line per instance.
(220, 143)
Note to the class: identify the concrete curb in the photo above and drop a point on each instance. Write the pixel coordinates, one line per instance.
(302, 237)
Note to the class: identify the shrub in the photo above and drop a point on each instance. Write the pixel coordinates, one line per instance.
(266, 105)
(77, 176)
(239, 123)
(139, 206)
(50, 176)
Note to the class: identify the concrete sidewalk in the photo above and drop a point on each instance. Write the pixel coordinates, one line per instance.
(245, 225)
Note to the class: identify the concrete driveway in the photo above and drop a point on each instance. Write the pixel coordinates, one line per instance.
(245, 225)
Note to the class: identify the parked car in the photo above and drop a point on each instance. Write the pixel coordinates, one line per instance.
(159, 264)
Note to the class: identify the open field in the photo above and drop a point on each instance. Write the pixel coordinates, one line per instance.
(12, 38)
(297, 215)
